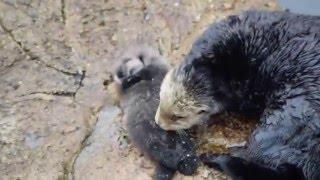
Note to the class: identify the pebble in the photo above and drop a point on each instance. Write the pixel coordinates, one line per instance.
(227, 6)
(198, 17)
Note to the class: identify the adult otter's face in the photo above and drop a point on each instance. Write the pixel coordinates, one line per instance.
(187, 98)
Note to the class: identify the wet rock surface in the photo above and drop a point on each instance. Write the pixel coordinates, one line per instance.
(57, 117)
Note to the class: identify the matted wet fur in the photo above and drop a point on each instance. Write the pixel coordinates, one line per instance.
(139, 76)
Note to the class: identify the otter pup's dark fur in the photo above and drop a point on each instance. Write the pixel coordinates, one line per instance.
(139, 85)
(264, 64)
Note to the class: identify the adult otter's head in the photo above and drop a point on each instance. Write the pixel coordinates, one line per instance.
(189, 95)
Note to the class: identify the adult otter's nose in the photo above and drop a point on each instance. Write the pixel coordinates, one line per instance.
(159, 119)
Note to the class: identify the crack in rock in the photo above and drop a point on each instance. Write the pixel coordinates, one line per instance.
(84, 143)
(63, 92)
(63, 11)
(80, 84)
(96, 138)
(53, 93)
(29, 53)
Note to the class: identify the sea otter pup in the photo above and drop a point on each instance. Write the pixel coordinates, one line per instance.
(262, 64)
(139, 76)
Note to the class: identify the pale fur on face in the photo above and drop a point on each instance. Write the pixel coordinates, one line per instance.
(177, 110)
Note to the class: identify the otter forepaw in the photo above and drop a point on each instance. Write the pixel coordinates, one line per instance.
(163, 173)
(234, 167)
(223, 163)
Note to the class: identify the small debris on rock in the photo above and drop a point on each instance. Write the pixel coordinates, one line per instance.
(271, 5)
(227, 6)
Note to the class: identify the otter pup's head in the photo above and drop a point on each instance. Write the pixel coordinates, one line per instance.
(189, 95)
(134, 58)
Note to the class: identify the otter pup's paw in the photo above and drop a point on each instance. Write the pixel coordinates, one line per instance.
(163, 173)
(223, 163)
(189, 165)
(133, 60)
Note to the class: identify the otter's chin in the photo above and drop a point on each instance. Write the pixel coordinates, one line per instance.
(175, 127)
(182, 124)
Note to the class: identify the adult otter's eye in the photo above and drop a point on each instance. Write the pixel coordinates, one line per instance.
(176, 117)
(201, 112)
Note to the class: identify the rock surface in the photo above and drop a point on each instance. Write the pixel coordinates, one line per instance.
(57, 117)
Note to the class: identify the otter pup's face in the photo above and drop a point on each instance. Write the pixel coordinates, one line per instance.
(186, 99)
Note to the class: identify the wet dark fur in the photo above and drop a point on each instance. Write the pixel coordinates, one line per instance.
(140, 99)
(239, 168)
(265, 64)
